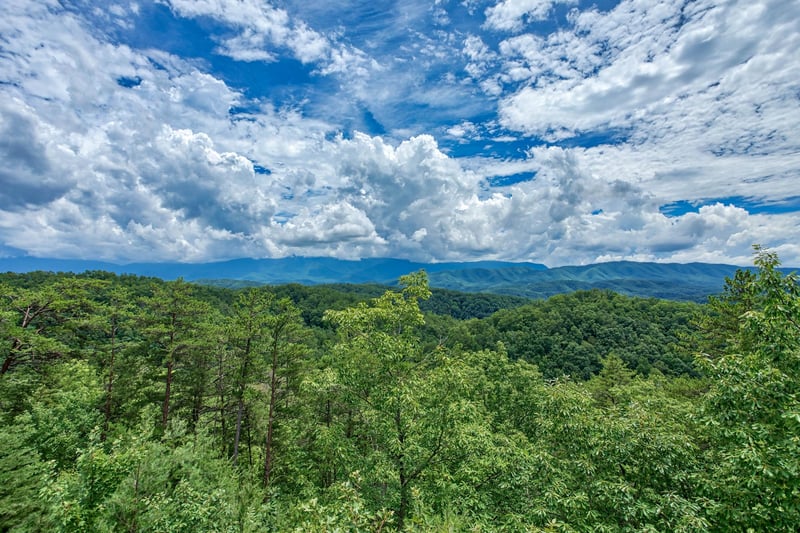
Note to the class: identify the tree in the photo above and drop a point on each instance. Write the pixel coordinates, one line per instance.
(568, 334)
(284, 348)
(718, 323)
(609, 386)
(752, 409)
(173, 332)
(22, 476)
(30, 319)
(409, 409)
(112, 319)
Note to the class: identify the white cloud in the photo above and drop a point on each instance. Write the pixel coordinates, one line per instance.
(258, 17)
(247, 46)
(263, 29)
(480, 56)
(161, 170)
(704, 101)
(309, 45)
(512, 14)
(645, 64)
(338, 224)
(464, 129)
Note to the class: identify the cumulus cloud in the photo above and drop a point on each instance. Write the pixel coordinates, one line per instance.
(512, 14)
(262, 27)
(401, 189)
(340, 224)
(479, 54)
(607, 76)
(25, 157)
(465, 129)
(137, 154)
(696, 102)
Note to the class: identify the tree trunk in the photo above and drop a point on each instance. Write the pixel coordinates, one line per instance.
(7, 363)
(109, 385)
(273, 398)
(249, 439)
(221, 389)
(11, 356)
(134, 526)
(240, 404)
(170, 365)
(28, 316)
(165, 406)
(238, 435)
(401, 471)
(197, 408)
(401, 512)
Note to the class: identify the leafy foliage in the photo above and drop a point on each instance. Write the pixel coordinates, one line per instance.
(133, 404)
(570, 334)
(752, 408)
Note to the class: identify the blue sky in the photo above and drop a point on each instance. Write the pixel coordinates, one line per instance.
(553, 131)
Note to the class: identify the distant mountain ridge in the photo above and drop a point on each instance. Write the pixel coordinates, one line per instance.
(673, 281)
(306, 270)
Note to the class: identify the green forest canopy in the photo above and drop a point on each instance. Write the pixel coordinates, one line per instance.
(134, 404)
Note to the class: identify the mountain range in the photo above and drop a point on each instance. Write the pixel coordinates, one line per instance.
(673, 281)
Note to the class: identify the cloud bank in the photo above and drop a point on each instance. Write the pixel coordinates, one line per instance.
(648, 130)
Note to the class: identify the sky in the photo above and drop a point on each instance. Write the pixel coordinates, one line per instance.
(561, 132)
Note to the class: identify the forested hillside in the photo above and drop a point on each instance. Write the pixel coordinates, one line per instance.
(572, 333)
(136, 404)
(672, 281)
